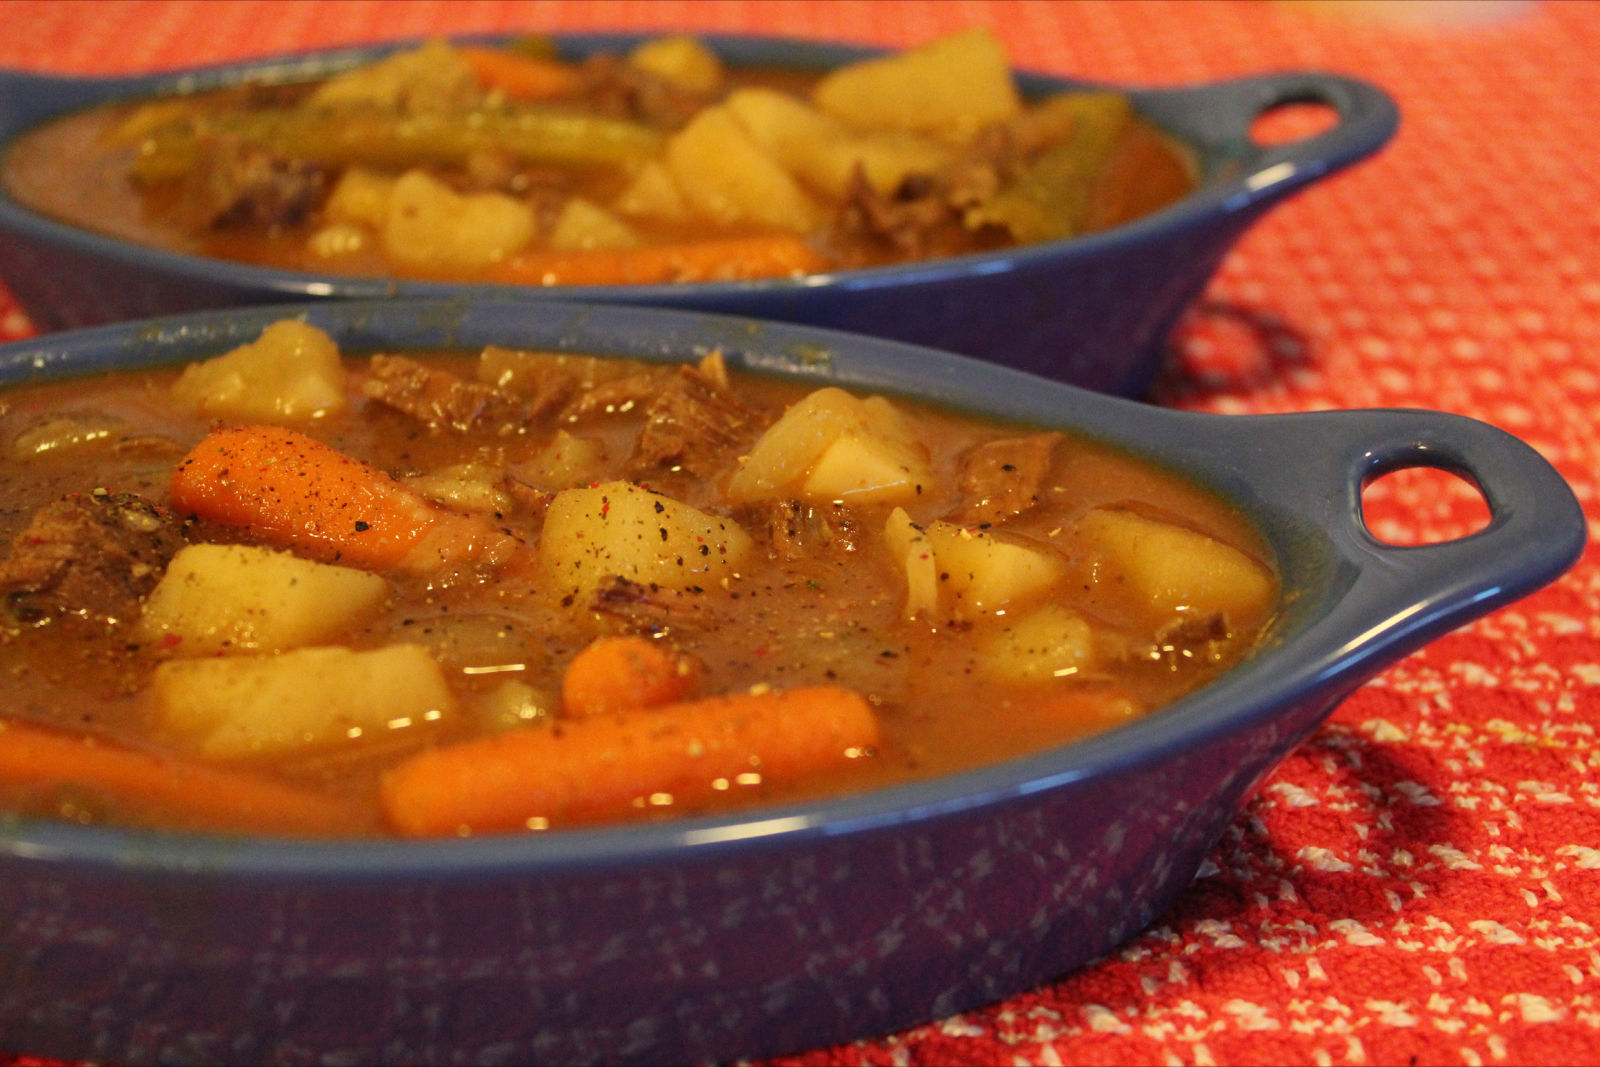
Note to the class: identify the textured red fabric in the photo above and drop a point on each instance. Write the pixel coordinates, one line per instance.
(1420, 882)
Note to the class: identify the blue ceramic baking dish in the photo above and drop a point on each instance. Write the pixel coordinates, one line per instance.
(784, 929)
(1095, 311)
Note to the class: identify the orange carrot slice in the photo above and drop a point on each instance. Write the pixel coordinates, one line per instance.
(608, 766)
(287, 489)
(520, 77)
(619, 673)
(201, 796)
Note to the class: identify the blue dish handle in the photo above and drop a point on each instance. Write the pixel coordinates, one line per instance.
(1217, 119)
(1404, 596)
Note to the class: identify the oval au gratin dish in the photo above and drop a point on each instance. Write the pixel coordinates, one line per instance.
(1053, 225)
(706, 934)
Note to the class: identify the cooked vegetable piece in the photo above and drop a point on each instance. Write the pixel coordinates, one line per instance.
(832, 445)
(674, 755)
(343, 138)
(291, 373)
(432, 77)
(912, 551)
(431, 227)
(728, 179)
(217, 599)
(183, 792)
(518, 75)
(239, 707)
(622, 673)
(980, 571)
(471, 487)
(948, 87)
(584, 224)
(826, 154)
(1047, 643)
(1178, 571)
(682, 60)
(287, 489)
(620, 529)
(1054, 195)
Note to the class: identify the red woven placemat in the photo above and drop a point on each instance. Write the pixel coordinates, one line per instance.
(1420, 882)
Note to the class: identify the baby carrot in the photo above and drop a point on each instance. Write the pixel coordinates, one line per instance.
(611, 765)
(290, 490)
(202, 796)
(718, 259)
(520, 77)
(618, 673)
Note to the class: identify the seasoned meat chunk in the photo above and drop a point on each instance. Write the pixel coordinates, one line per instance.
(793, 529)
(92, 555)
(244, 185)
(445, 402)
(1003, 478)
(694, 424)
(690, 420)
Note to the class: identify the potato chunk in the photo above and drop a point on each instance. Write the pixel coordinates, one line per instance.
(1045, 644)
(361, 196)
(311, 698)
(684, 61)
(653, 194)
(823, 152)
(432, 227)
(1176, 570)
(911, 549)
(618, 528)
(964, 572)
(585, 224)
(217, 599)
(727, 178)
(291, 373)
(948, 87)
(830, 445)
(980, 572)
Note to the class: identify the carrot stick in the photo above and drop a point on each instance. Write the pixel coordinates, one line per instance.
(520, 77)
(619, 673)
(714, 259)
(609, 766)
(204, 797)
(293, 491)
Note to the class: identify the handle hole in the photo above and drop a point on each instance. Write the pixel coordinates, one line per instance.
(1422, 506)
(1291, 121)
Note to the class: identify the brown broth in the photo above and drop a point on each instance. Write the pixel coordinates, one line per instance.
(833, 616)
(74, 169)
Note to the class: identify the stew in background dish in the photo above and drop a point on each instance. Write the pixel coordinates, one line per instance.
(290, 590)
(509, 165)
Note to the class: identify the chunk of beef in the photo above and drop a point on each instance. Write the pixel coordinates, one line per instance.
(94, 556)
(795, 530)
(690, 420)
(907, 222)
(1003, 478)
(614, 87)
(446, 402)
(694, 424)
(239, 184)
